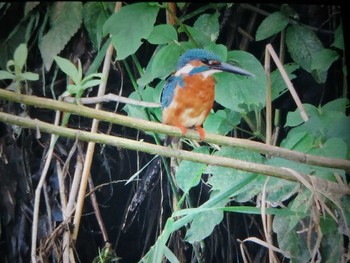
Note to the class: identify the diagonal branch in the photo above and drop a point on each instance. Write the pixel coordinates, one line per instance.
(168, 152)
(172, 131)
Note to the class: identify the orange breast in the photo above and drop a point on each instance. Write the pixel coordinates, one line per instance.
(192, 103)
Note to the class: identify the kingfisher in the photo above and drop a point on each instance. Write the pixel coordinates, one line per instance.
(188, 94)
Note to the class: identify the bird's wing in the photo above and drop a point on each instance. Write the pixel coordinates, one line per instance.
(169, 89)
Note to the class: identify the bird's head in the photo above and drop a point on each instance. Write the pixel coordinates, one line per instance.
(201, 61)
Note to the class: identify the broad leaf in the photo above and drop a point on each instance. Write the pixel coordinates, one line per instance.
(320, 63)
(94, 16)
(322, 123)
(339, 38)
(271, 25)
(66, 18)
(323, 59)
(222, 121)
(291, 240)
(240, 93)
(302, 44)
(162, 64)
(129, 26)
(208, 24)
(203, 224)
(162, 34)
(224, 178)
(188, 174)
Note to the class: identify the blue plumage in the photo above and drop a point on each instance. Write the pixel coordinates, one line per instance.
(188, 95)
(169, 88)
(192, 54)
(197, 54)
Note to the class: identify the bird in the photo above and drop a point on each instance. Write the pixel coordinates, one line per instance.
(188, 94)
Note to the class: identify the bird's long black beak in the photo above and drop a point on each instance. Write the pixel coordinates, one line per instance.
(232, 69)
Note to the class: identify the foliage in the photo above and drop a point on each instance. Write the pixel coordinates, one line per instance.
(15, 69)
(62, 28)
(304, 219)
(304, 46)
(76, 75)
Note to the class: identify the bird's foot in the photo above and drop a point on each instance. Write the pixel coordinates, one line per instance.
(182, 128)
(201, 132)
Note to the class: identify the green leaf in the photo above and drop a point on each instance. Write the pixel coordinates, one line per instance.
(165, 61)
(225, 178)
(339, 38)
(30, 76)
(189, 173)
(162, 64)
(323, 59)
(91, 83)
(68, 68)
(11, 66)
(320, 63)
(208, 24)
(301, 142)
(291, 240)
(204, 223)
(322, 123)
(6, 75)
(198, 38)
(294, 118)
(302, 44)
(20, 56)
(337, 105)
(66, 18)
(135, 111)
(73, 89)
(271, 25)
(162, 34)
(129, 26)
(332, 242)
(94, 17)
(240, 93)
(222, 121)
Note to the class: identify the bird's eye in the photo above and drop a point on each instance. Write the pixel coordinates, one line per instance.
(205, 61)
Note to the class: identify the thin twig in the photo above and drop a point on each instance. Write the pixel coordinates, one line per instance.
(265, 244)
(113, 97)
(268, 98)
(288, 82)
(265, 222)
(38, 190)
(97, 211)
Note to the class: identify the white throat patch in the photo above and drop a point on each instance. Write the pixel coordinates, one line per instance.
(184, 70)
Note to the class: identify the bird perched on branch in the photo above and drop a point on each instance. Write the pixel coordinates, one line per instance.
(188, 94)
